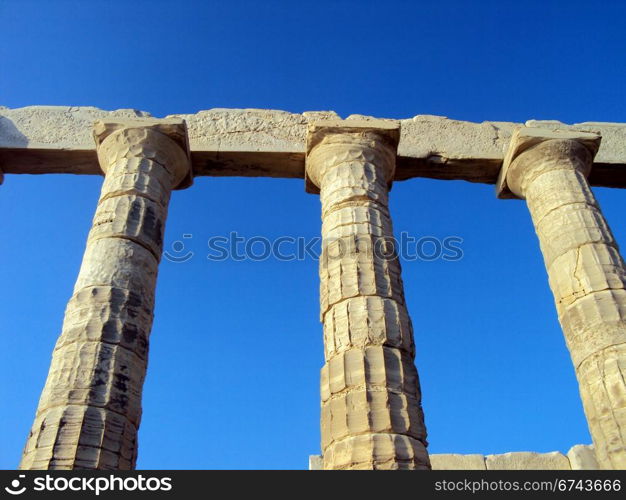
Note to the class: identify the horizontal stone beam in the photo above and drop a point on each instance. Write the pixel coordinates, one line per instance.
(579, 457)
(265, 143)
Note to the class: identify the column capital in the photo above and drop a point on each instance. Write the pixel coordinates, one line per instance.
(354, 137)
(533, 147)
(173, 131)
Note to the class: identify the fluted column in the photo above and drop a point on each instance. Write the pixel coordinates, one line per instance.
(586, 272)
(371, 403)
(90, 408)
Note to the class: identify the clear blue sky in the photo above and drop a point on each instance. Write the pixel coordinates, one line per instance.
(236, 347)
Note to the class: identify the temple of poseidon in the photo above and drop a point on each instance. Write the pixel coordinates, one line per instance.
(371, 413)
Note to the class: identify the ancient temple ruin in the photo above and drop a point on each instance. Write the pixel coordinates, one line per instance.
(371, 413)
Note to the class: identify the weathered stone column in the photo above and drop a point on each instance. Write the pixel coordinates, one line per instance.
(586, 272)
(90, 408)
(371, 403)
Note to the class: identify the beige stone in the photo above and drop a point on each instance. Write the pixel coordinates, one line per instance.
(526, 138)
(371, 402)
(316, 462)
(455, 461)
(527, 461)
(579, 457)
(90, 407)
(582, 457)
(586, 272)
(255, 142)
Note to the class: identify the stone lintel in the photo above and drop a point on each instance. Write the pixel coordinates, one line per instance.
(174, 128)
(272, 143)
(388, 130)
(524, 139)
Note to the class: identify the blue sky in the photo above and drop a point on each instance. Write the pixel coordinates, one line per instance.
(236, 347)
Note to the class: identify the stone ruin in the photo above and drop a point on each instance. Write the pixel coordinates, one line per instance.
(371, 413)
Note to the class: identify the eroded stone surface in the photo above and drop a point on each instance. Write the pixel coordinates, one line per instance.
(579, 457)
(90, 408)
(255, 142)
(371, 403)
(527, 461)
(582, 457)
(586, 272)
(316, 462)
(455, 461)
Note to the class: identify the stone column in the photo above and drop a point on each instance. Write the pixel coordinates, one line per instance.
(371, 403)
(90, 408)
(587, 274)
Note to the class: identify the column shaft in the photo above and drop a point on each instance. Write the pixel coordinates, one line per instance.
(588, 279)
(90, 408)
(371, 403)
